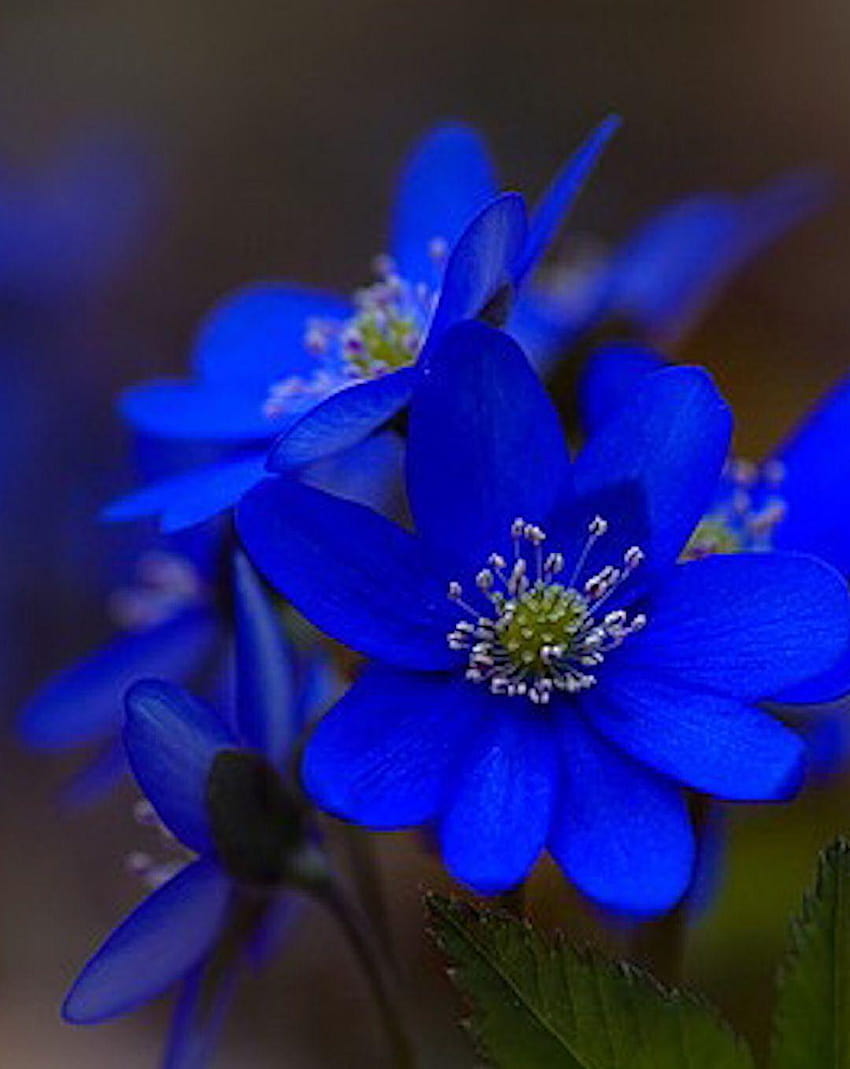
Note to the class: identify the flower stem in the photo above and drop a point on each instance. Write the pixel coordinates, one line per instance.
(513, 901)
(660, 944)
(370, 890)
(385, 998)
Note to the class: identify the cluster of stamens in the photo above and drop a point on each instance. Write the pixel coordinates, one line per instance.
(155, 871)
(384, 334)
(167, 583)
(542, 634)
(746, 514)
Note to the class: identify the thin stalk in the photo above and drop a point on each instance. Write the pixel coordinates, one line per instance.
(385, 1002)
(370, 889)
(660, 945)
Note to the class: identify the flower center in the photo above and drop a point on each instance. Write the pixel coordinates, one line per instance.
(745, 514)
(542, 634)
(385, 333)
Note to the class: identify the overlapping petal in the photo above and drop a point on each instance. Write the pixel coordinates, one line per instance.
(357, 576)
(158, 944)
(255, 336)
(816, 483)
(447, 179)
(552, 210)
(711, 742)
(620, 831)
(171, 740)
(84, 703)
(342, 420)
(266, 709)
(652, 470)
(480, 272)
(184, 409)
(193, 497)
(497, 821)
(612, 375)
(386, 755)
(480, 409)
(745, 625)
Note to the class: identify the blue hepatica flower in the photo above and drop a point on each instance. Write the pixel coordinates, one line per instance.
(547, 674)
(169, 629)
(664, 276)
(797, 500)
(221, 791)
(319, 372)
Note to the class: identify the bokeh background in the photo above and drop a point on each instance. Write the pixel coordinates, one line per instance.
(260, 139)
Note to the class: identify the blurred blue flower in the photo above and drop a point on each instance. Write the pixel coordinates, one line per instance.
(67, 226)
(220, 787)
(170, 628)
(553, 680)
(319, 372)
(656, 285)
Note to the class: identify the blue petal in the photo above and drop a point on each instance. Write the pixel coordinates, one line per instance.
(498, 819)
(342, 420)
(610, 378)
(447, 179)
(84, 703)
(199, 1016)
(97, 779)
(369, 473)
(157, 945)
(320, 685)
(816, 487)
(482, 265)
(265, 685)
(180, 409)
(550, 213)
(360, 578)
(485, 444)
(669, 272)
(746, 625)
(826, 687)
(620, 832)
(386, 754)
(171, 740)
(653, 469)
(826, 733)
(255, 336)
(707, 741)
(185, 500)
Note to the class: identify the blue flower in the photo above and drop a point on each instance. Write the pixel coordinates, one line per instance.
(547, 674)
(319, 373)
(662, 278)
(170, 629)
(220, 789)
(797, 499)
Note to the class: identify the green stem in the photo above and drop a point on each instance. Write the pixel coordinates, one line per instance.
(385, 1002)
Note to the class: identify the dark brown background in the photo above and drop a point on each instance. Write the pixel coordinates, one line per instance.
(275, 129)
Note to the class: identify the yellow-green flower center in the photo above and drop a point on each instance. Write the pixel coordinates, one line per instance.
(542, 635)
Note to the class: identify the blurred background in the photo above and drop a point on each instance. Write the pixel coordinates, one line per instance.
(154, 156)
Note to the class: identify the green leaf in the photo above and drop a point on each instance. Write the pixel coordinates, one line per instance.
(541, 1005)
(812, 1023)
